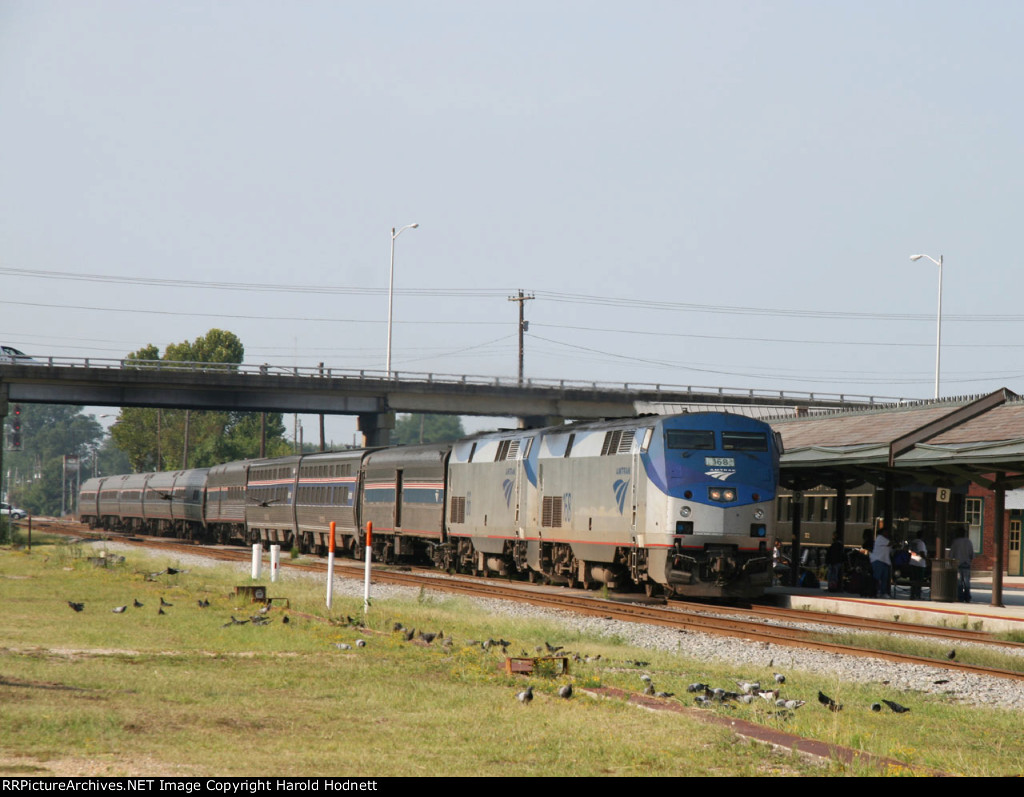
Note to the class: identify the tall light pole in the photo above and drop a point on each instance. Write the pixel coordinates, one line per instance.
(391, 285)
(938, 322)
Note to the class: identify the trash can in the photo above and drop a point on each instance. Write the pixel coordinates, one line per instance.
(944, 574)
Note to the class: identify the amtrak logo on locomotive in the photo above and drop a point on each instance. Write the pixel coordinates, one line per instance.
(620, 487)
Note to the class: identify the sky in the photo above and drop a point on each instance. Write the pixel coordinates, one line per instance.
(696, 193)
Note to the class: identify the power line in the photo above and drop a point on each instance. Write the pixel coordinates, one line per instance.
(551, 296)
(245, 286)
(237, 316)
(664, 334)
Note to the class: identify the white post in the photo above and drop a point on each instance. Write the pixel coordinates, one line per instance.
(368, 557)
(330, 567)
(257, 560)
(275, 561)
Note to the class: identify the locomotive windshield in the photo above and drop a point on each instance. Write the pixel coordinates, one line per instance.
(744, 441)
(690, 439)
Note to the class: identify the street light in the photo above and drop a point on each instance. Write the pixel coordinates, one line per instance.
(938, 322)
(391, 284)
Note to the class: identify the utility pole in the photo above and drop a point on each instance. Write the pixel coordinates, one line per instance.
(523, 326)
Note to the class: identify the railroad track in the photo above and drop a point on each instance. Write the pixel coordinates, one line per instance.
(757, 624)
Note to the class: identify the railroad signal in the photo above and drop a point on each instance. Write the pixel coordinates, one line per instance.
(16, 429)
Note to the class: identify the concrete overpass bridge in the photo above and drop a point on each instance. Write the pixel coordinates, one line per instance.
(373, 396)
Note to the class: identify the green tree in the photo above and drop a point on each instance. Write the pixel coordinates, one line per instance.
(154, 439)
(417, 428)
(49, 432)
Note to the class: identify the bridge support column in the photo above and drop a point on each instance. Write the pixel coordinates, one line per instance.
(376, 428)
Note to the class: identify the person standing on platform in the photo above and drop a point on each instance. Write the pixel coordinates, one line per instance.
(835, 558)
(881, 562)
(918, 563)
(963, 551)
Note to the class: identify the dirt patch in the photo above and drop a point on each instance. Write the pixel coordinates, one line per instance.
(136, 766)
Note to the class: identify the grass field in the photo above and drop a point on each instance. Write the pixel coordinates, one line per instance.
(140, 693)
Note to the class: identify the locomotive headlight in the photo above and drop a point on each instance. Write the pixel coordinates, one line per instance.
(729, 495)
(685, 511)
(716, 494)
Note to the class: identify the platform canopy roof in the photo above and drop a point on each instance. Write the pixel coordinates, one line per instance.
(944, 442)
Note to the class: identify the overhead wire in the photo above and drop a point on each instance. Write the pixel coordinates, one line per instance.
(553, 296)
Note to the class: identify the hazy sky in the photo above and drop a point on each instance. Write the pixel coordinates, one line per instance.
(707, 193)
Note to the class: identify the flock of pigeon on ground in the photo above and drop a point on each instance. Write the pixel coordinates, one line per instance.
(258, 619)
(705, 696)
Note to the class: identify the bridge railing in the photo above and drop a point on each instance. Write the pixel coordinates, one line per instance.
(671, 391)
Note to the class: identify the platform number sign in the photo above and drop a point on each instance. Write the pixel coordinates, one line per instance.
(942, 494)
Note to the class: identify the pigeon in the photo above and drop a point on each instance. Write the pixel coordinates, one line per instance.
(664, 694)
(119, 609)
(896, 707)
(792, 705)
(398, 627)
(749, 688)
(525, 696)
(285, 620)
(136, 604)
(342, 646)
(408, 635)
(951, 655)
(161, 611)
(552, 649)
(428, 638)
(703, 702)
(565, 691)
(649, 689)
(779, 678)
(203, 604)
(645, 678)
(232, 621)
(360, 643)
(769, 695)
(697, 687)
(171, 571)
(828, 702)
(876, 707)
(76, 606)
(747, 699)
(163, 602)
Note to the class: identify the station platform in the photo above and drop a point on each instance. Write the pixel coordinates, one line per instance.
(978, 615)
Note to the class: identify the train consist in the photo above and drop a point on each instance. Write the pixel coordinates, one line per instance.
(682, 504)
